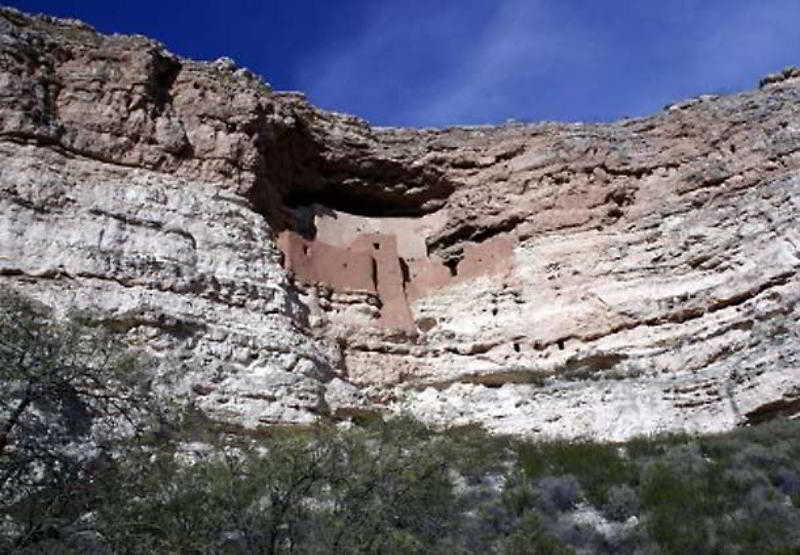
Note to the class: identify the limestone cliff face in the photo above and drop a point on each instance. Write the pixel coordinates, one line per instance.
(287, 262)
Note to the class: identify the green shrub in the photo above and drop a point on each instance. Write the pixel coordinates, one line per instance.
(71, 395)
(677, 508)
(622, 502)
(475, 452)
(647, 446)
(597, 466)
(529, 537)
(380, 487)
(386, 488)
(558, 493)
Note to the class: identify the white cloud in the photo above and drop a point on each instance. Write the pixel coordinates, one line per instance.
(443, 63)
(519, 45)
(461, 63)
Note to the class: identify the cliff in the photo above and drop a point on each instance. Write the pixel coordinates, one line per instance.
(286, 262)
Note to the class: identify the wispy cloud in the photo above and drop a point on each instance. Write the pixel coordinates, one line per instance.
(445, 62)
(508, 66)
(477, 62)
(439, 66)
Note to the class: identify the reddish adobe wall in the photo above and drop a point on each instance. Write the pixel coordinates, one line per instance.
(493, 256)
(361, 254)
(343, 268)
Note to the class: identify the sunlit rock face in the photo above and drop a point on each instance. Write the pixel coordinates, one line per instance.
(288, 263)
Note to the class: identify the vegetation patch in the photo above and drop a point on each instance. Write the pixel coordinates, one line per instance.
(91, 460)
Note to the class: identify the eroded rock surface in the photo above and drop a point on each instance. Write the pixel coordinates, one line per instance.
(287, 262)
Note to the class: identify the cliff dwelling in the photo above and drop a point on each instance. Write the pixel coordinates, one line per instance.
(384, 256)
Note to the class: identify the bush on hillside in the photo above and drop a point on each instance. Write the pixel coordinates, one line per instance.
(80, 472)
(70, 393)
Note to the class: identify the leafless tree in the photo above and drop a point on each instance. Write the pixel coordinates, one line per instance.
(68, 391)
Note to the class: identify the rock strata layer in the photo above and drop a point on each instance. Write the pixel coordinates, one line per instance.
(286, 262)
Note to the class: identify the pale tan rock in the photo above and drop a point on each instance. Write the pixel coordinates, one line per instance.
(287, 262)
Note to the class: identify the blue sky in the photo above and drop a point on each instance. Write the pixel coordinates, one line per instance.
(447, 62)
